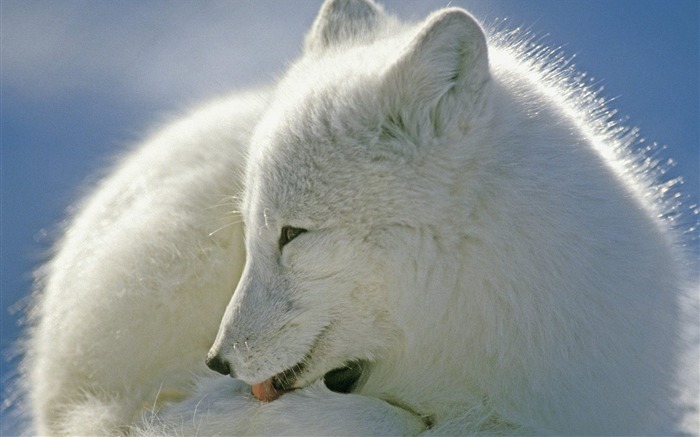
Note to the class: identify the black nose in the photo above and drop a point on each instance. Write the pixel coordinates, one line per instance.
(215, 362)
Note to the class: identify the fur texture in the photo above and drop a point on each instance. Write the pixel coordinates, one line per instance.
(473, 231)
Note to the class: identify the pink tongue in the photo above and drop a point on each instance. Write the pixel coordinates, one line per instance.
(265, 391)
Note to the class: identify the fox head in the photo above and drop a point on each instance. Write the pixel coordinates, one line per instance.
(347, 172)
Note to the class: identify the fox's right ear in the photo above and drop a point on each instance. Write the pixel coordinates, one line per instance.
(341, 22)
(440, 78)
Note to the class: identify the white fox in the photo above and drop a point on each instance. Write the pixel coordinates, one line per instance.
(441, 237)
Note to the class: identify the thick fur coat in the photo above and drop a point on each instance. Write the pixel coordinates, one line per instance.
(427, 231)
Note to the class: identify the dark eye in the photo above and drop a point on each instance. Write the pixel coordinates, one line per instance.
(288, 234)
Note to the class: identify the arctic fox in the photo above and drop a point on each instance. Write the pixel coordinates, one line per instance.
(427, 231)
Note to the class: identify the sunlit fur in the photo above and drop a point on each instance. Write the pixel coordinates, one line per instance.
(478, 229)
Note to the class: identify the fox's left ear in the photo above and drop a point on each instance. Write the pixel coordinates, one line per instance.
(440, 75)
(341, 22)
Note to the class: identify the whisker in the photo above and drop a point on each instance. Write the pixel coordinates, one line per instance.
(234, 201)
(234, 212)
(227, 225)
(194, 414)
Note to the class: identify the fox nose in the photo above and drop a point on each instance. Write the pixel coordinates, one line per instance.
(215, 362)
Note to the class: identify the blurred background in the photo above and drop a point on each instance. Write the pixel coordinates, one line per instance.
(82, 81)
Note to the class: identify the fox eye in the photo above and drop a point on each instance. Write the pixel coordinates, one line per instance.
(288, 234)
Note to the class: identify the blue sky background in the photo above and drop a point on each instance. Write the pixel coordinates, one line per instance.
(83, 80)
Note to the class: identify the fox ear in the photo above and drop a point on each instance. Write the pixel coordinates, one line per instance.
(442, 73)
(341, 21)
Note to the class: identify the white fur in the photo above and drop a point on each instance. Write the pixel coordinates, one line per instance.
(473, 232)
(134, 295)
